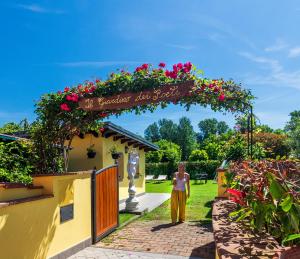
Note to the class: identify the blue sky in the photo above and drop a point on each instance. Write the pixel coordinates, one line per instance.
(47, 45)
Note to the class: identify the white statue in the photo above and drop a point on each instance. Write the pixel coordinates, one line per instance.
(133, 160)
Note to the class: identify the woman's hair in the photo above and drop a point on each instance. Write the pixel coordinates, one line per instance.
(181, 164)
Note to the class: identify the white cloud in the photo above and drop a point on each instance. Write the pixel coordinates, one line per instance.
(294, 52)
(276, 74)
(277, 46)
(271, 63)
(97, 63)
(38, 9)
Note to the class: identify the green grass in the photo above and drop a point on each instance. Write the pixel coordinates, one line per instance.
(199, 205)
(123, 217)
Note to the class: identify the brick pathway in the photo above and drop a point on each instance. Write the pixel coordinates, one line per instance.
(101, 253)
(187, 239)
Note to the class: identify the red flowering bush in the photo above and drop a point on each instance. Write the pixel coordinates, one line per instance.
(268, 195)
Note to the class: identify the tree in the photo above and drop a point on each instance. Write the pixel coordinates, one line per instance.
(198, 155)
(168, 152)
(10, 127)
(186, 137)
(293, 130)
(212, 127)
(168, 130)
(152, 133)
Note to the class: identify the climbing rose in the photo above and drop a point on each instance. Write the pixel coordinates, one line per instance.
(101, 130)
(145, 66)
(67, 89)
(188, 66)
(222, 97)
(72, 97)
(161, 64)
(59, 92)
(97, 81)
(65, 107)
(179, 66)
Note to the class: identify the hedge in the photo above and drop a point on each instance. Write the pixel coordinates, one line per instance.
(192, 168)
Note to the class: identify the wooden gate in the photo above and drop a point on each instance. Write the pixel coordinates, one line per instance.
(105, 202)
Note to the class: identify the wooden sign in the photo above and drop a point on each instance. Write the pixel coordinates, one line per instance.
(172, 92)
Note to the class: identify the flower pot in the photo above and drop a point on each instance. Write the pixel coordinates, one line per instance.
(115, 155)
(91, 154)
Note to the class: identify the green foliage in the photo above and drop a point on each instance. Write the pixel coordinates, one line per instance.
(235, 149)
(152, 133)
(186, 138)
(212, 127)
(16, 162)
(267, 193)
(192, 168)
(293, 129)
(198, 155)
(168, 152)
(168, 130)
(274, 145)
(12, 127)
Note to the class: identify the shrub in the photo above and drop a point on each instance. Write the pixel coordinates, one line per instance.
(15, 162)
(198, 155)
(192, 168)
(267, 194)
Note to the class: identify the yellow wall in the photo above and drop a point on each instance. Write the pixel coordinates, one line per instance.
(33, 230)
(79, 161)
(17, 193)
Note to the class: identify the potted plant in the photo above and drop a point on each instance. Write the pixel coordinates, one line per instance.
(91, 153)
(114, 153)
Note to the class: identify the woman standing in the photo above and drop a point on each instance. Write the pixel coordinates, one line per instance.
(178, 198)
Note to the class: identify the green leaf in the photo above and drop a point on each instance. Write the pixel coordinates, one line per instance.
(276, 190)
(290, 238)
(286, 203)
(244, 215)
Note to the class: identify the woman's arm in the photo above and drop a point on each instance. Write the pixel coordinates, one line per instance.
(188, 185)
(174, 179)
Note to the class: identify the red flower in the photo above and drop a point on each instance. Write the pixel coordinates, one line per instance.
(167, 73)
(59, 92)
(145, 66)
(67, 89)
(103, 114)
(138, 69)
(188, 66)
(97, 81)
(102, 130)
(173, 74)
(175, 69)
(79, 86)
(65, 107)
(221, 97)
(73, 97)
(179, 66)
(216, 89)
(186, 70)
(161, 64)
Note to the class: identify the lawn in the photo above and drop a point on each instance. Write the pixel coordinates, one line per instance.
(198, 205)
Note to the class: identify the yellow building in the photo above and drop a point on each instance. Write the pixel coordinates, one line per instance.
(111, 137)
(56, 216)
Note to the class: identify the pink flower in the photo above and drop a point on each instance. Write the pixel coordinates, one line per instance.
(161, 64)
(173, 74)
(188, 66)
(179, 66)
(67, 89)
(65, 107)
(175, 69)
(97, 81)
(73, 97)
(186, 70)
(167, 73)
(59, 92)
(216, 89)
(221, 97)
(145, 66)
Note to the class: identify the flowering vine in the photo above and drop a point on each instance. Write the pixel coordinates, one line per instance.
(60, 113)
